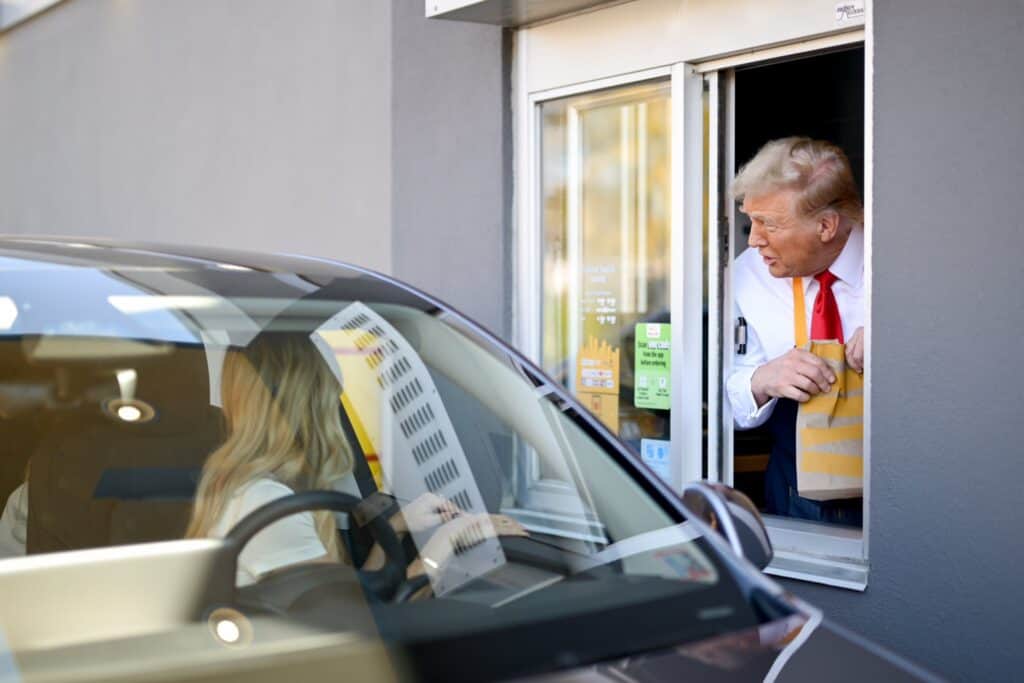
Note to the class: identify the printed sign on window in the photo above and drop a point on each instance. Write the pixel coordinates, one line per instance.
(597, 381)
(652, 376)
(656, 453)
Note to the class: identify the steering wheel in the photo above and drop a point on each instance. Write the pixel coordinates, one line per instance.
(381, 583)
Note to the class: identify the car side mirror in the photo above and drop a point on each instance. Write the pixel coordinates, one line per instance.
(733, 516)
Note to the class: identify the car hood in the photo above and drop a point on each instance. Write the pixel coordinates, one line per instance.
(795, 648)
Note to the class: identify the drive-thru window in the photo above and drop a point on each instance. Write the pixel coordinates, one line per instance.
(631, 122)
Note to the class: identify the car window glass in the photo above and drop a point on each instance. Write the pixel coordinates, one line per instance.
(112, 413)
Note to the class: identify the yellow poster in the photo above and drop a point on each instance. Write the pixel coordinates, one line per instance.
(597, 381)
(362, 395)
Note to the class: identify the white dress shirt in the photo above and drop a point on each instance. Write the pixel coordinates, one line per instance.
(766, 302)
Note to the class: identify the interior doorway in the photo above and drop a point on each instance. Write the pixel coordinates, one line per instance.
(820, 96)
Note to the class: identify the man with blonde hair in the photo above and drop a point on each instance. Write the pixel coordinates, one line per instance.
(806, 241)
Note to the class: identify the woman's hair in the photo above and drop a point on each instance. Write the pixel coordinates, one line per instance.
(281, 402)
(819, 171)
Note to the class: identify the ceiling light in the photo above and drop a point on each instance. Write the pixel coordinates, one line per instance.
(132, 411)
(129, 413)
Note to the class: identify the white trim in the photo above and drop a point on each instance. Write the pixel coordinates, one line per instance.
(869, 231)
(850, 37)
(647, 33)
(526, 145)
(728, 318)
(687, 269)
(847, 574)
(715, 345)
(573, 236)
(632, 78)
(792, 535)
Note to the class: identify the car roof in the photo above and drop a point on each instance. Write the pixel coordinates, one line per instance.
(107, 252)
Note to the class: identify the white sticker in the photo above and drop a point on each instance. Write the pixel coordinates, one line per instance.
(850, 12)
(655, 454)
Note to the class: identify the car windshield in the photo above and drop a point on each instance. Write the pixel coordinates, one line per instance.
(147, 398)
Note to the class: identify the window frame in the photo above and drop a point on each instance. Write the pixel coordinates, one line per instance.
(804, 550)
(686, 297)
(808, 551)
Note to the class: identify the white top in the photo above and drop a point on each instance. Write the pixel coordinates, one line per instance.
(14, 523)
(287, 541)
(766, 302)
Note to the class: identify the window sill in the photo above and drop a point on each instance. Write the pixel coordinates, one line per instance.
(817, 553)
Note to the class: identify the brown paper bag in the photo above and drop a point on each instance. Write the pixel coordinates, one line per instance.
(830, 432)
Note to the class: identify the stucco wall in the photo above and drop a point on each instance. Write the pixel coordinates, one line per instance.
(232, 123)
(947, 385)
(354, 130)
(452, 162)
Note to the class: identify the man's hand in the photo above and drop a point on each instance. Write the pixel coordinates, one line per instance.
(797, 374)
(855, 351)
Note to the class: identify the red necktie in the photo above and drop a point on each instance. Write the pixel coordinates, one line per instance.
(825, 321)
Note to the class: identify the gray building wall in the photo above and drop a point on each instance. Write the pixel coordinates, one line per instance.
(452, 158)
(238, 123)
(947, 319)
(354, 130)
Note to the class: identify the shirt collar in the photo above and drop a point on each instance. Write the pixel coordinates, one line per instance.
(849, 265)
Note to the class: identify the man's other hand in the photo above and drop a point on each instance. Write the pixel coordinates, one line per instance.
(797, 374)
(855, 351)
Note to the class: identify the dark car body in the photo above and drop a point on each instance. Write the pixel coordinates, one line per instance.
(106, 593)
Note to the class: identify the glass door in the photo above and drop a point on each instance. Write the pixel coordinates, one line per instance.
(607, 264)
(611, 251)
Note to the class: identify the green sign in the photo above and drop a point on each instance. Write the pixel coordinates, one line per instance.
(652, 376)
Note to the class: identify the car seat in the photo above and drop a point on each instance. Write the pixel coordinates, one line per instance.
(97, 481)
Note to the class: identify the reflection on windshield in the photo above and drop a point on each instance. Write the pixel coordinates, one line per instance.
(81, 302)
(417, 445)
(550, 523)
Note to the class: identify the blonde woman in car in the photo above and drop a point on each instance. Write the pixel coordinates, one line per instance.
(281, 401)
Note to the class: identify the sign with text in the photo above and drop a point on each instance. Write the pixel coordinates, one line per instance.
(597, 381)
(652, 375)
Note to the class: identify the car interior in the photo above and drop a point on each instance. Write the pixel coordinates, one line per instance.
(98, 480)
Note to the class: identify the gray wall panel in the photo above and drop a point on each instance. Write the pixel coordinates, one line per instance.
(235, 123)
(947, 385)
(452, 163)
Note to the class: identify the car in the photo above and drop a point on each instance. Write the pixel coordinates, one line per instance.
(486, 526)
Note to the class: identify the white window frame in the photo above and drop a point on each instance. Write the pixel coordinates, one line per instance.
(686, 297)
(803, 550)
